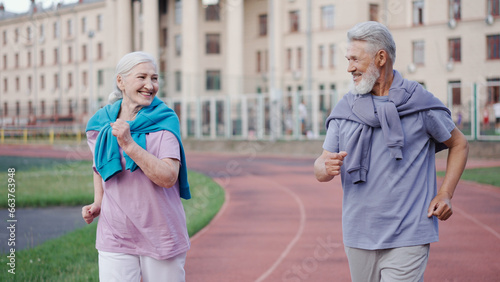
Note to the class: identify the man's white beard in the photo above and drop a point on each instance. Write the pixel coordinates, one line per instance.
(367, 82)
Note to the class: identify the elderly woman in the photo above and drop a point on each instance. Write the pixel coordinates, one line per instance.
(139, 177)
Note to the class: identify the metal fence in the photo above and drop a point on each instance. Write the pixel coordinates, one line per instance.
(282, 116)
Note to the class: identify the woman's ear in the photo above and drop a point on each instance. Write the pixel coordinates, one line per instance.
(119, 82)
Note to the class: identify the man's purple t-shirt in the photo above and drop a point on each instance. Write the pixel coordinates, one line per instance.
(137, 216)
(389, 210)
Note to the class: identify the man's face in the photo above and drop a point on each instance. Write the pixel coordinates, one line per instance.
(362, 67)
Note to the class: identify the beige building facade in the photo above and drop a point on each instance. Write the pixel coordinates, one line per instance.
(57, 63)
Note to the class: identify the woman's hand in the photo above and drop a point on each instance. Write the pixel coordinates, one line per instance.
(121, 130)
(90, 212)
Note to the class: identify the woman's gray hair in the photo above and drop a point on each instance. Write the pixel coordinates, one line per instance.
(376, 35)
(123, 68)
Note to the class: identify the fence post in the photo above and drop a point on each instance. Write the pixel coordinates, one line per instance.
(51, 136)
(25, 136)
(2, 135)
(474, 112)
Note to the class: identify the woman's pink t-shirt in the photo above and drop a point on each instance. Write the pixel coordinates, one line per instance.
(137, 216)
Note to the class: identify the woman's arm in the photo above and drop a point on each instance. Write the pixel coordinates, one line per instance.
(162, 172)
(327, 166)
(93, 210)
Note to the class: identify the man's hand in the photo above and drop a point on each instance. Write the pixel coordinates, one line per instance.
(327, 166)
(333, 162)
(440, 206)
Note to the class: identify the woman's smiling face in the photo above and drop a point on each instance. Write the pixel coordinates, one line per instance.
(140, 85)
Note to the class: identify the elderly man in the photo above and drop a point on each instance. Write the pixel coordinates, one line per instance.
(381, 139)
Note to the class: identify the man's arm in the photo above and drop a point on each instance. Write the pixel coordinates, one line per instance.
(327, 166)
(457, 158)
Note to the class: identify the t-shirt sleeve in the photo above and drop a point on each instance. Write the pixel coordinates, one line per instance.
(331, 143)
(439, 125)
(169, 146)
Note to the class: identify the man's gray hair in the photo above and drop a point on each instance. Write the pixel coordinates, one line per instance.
(376, 35)
(123, 68)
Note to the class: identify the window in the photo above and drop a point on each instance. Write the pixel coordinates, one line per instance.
(454, 49)
(28, 59)
(42, 57)
(178, 81)
(84, 53)
(418, 52)
(84, 25)
(42, 82)
(56, 81)
(456, 92)
(494, 8)
(18, 83)
(213, 80)
(321, 56)
(178, 12)
(332, 55)
(16, 60)
(85, 105)
(418, 12)
(4, 62)
(5, 109)
(70, 80)
(299, 58)
(163, 7)
(455, 9)
(212, 13)
(70, 28)
(85, 78)
(164, 37)
(99, 22)
(16, 35)
(5, 85)
(493, 42)
(327, 16)
(213, 44)
(100, 77)
(30, 83)
(262, 25)
(374, 12)
(289, 59)
(70, 54)
(29, 33)
(259, 64)
(99, 51)
(294, 17)
(493, 90)
(42, 107)
(56, 30)
(56, 56)
(42, 31)
(178, 45)
(4, 37)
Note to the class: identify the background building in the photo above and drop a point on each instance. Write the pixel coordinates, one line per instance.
(242, 68)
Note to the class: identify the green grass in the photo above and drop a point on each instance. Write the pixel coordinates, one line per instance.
(489, 175)
(73, 256)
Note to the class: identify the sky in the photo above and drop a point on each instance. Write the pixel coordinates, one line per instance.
(21, 6)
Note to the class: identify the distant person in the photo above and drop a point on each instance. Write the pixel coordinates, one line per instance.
(496, 109)
(486, 117)
(381, 139)
(140, 177)
(303, 117)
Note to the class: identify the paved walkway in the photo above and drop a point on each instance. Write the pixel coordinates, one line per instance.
(280, 224)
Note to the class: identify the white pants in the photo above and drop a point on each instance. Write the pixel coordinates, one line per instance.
(123, 268)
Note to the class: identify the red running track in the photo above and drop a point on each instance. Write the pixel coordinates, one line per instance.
(280, 224)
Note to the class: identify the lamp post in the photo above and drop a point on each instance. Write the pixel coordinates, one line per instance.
(91, 74)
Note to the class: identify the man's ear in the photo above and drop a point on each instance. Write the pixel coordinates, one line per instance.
(381, 58)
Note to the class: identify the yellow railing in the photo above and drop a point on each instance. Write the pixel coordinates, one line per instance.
(44, 135)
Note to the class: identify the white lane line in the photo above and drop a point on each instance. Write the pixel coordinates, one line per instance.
(476, 221)
(292, 243)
